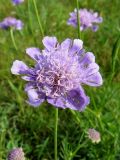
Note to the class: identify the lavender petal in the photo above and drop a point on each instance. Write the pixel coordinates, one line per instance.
(49, 42)
(19, 67)
(35, 98)
(34, 53)
(77, 100)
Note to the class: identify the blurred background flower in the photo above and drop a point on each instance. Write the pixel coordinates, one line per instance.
(94, 135)
(16, 154)
(11, 22)
(16, 2)
(88, 19)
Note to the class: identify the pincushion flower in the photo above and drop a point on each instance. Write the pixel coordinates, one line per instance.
(11, 22)
(94, 135)
(16, 2)
(59, 74)
(16, 154)
(88, 19)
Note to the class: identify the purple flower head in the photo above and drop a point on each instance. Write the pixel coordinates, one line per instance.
(11, 22)
(16, 2)
(59, 74)
(88, 19)
(16, 154)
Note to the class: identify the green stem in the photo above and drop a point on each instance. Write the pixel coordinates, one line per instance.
(55, 133)
(38, 18)
(30, 15)
(78, 20)
(13, 39)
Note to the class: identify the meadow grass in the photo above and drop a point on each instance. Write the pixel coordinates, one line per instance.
(33, 128)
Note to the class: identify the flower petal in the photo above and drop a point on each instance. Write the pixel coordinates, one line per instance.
(19, 67)
(34, 53)
(66, 44)
(94, 28)
(94, 80)
(90, 74)
(36, 103)
(35, 98)
(49, 42)
(99, 20)
(77, 46)
(87, 59)
(19, 24)
(57, 102)
(91, 69)
(28, 78)
(29, 85)
(77, 100)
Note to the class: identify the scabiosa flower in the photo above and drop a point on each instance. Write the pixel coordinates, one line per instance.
(16, 154)
(59, 74)
(11, 22)
(88, 19)
(94, 135)
(16, 2)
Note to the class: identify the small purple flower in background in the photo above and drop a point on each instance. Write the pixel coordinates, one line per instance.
(59, 74)
(94, 135)
(88, 19)
(11, 22)
(16, 2)
(16, 154)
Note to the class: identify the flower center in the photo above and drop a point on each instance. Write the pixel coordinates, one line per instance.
(54, 83)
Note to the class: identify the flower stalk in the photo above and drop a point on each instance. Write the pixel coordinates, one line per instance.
(38, 18)
(13, 39)
(78, 20)
(55, 133)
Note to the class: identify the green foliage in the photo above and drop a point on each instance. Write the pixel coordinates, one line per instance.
(115, 52)
(32, 128)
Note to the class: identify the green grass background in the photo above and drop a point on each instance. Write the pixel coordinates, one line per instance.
(33, 128)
